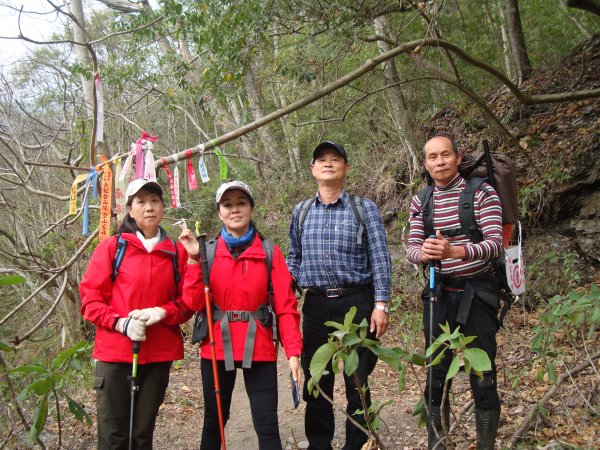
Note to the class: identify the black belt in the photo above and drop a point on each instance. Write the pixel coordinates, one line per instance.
(453, 282)
(339, 292)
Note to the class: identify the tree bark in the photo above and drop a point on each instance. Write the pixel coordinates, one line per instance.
(399, 109)
(517, 41)
(83, 56)
(267, 137)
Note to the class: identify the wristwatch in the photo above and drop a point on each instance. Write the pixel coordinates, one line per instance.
(383, 308)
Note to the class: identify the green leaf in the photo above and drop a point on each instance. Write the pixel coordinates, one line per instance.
(438, 358)
(350, 340)
(78, 411)
(351, 363)
(40, 420)
(417, 358)
(11, 279)
(349, 317)
(5, 347)
(543, 411)
(387, 355)
(454, 367)
(552, 377)
(516, 382)
(376, 423)
(332, 324)
(320, 360)
(33, 368)
(536, 343)
(479, 359)
(401, 379)
(66, 354)
(40, 387)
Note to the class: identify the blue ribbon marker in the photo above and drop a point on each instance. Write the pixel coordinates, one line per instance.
(92, 177)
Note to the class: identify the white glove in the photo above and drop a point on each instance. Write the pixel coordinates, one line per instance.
(151, 315)
(134, 329)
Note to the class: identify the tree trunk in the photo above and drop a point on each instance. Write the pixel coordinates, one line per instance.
(399, 110)
(268, 139)
(83, 57)
(509, 66)
(517, 41)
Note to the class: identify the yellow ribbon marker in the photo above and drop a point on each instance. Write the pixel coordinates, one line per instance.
(73, 194)
(105, 201)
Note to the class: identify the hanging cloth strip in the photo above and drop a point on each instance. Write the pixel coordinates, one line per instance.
(202, 166)
(127, 166)
(73, 193)
(176, 182)
(91, 178)
(99, 109)
(171, 182)
(191, 175)
(105, 201)
(222, 162)
(120, 188)
(139, 153)
(149, 165)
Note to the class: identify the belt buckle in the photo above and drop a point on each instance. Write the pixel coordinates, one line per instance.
(333, 292)
(238, 316)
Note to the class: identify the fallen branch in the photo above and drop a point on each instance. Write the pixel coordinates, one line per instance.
(522, 431)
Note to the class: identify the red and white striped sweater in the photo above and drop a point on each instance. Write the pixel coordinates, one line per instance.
(488, 215)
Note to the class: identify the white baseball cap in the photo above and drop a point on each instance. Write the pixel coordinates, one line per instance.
(234, 185)
(142, 183)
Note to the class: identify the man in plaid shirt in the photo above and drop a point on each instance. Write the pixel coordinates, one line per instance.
(339, 270)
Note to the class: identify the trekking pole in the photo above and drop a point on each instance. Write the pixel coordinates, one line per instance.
(134, 389)
(432, 299)
(211, 333)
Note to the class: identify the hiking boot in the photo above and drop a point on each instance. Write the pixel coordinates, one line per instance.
(487, 427)
(436, 423)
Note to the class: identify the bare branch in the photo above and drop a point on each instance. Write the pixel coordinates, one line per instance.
(68, 264)
(522, 431)
(19, 339)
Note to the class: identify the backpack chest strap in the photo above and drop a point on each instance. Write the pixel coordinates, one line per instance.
(262, 314)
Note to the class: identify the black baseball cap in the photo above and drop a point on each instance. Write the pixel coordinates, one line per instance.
(333, 146)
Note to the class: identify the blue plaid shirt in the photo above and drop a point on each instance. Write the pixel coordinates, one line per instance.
(327, 255)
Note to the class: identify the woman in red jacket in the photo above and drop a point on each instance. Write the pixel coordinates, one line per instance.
(141, 301)
(238, 282)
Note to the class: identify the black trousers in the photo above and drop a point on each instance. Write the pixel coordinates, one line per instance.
(113, 402)
(481, 322)
(261, 386)
(319, 419)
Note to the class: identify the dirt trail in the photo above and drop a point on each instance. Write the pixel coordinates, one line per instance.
(179, 423)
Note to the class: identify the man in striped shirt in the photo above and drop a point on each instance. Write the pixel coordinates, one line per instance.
(467, 290)
(338, 272)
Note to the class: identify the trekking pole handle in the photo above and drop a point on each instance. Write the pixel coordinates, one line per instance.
(204, 259)
(432, 276)
(136, 347)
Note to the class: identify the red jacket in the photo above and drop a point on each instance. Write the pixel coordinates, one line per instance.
(241, 284)
(144, 280)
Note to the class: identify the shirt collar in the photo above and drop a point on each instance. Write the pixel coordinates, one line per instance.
(343, 198)
(454, 183)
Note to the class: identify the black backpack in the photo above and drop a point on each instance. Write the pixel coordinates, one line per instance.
(356, 203)
(200, 328)
(469, 227)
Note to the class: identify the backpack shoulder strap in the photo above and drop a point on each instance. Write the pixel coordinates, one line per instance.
(358, 209)
(304, 207)
(267, 246)
(211, 248)
(425, 196)
(119, 254)
(175, 259)
(466, 212)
